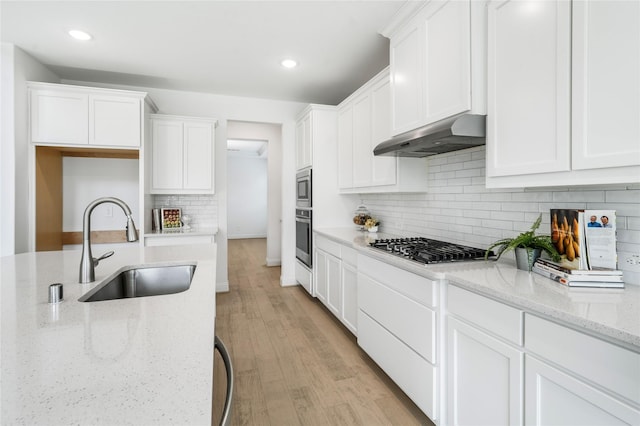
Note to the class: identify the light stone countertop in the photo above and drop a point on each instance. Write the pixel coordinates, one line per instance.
(610, 314)
(144, 360)
(181, 232)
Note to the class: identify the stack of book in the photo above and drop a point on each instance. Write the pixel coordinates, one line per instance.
(579, 277)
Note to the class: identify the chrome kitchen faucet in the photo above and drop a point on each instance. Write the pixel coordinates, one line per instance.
(87, 262)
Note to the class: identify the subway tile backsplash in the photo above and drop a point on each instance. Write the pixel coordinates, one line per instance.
(459, 208)
(203, 209)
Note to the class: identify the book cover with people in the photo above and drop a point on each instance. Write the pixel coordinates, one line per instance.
(600, 234)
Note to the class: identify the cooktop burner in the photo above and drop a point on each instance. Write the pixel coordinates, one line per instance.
(426, 250)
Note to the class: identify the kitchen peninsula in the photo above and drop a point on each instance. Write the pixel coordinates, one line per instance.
(142, 360)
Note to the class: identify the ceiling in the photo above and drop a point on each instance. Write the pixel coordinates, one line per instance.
(247, 148)
(223, 47)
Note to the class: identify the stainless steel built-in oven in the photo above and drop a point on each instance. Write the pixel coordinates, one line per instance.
(303, 188)
(303, 236)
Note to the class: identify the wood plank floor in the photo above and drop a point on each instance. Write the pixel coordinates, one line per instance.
(294, 363)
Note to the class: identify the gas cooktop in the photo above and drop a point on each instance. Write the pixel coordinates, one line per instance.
(426, 250)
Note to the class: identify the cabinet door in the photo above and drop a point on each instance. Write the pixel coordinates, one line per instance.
(167, 155)
(59, 116)
(334, 286)
(484, 378)
(114, 121)
(606, 84)
(303, 143)
(553, 397)
(321, 276)
(447, 70)
(529, 65)
(345, 147)
(383, 168)
(350, 297)
(406, 78)
(198, 158)
(362, 156)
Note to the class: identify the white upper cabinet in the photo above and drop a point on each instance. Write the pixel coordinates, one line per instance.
(563, 93)
(431, 65)
(364, 120)
(383, 168)
(182, 155)
(75, 115)
(114, 120)
(529, 87)
(304, 147)
(606, 84)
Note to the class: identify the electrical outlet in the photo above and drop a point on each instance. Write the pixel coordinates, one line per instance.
(629, 262)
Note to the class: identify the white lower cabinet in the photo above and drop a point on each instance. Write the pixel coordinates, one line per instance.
(397, 328)
(349, 278)
(554, 397)
(483, 378)
(575, 379)
(335, 280)
(484, 373)
(320, 275)
(505, 366)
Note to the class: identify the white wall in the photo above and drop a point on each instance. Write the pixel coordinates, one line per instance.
(276, 201)
(85, 179)
(236, 108)
(17, 67)
(247, 199)
(459, 208)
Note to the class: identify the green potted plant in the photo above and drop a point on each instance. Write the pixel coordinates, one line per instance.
(527, 247)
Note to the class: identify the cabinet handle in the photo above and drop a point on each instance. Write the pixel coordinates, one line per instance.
(226, 413)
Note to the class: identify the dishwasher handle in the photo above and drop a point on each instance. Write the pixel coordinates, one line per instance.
(222, 349)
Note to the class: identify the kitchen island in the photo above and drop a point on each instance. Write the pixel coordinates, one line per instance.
(143, 360)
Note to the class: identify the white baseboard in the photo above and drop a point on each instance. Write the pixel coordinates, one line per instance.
(273, 262)
(245, 236)
(288, 281)
(222, 287)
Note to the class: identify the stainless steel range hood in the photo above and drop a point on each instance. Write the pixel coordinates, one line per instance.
(456, 133)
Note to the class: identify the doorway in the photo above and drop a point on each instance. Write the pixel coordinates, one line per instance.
(254, 180)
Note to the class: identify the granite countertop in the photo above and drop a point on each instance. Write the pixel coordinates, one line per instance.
(144, 360)
(611, 314)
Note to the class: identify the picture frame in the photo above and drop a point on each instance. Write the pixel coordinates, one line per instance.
(170, 218)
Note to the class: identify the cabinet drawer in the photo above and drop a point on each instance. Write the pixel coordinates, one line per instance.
(327, 245)
(495, 317)
(409, 321)
(608, 365)
(415, 287)
(414, 375)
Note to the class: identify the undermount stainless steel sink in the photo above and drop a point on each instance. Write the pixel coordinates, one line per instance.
(143, 281)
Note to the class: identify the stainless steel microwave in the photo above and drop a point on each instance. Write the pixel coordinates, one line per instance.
(303, 188)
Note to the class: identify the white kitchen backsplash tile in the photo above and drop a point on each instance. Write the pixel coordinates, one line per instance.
(203, 209)
(459, 207)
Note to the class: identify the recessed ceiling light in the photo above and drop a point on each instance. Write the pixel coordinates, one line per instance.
(79, 35)
(289, 63)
